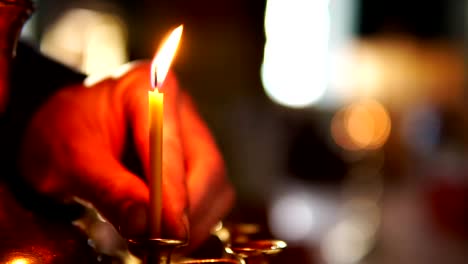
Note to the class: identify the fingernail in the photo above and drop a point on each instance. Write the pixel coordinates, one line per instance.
(180, 230)
(136, 220)
(186, 233)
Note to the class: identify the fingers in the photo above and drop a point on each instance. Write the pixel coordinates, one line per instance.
(69, 150)
(62, 170)
(211, 194)
(134, 86)
(118, 194)
(188, 147)
(75, 150)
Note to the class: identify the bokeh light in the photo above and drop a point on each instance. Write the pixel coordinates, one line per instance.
(399, 71)
(346, 243)
(422, 129)
(87, 40)
(294, 70)
(293, 218)
(301, 215)
(364, 125)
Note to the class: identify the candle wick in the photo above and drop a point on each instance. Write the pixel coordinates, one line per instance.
(155, 79)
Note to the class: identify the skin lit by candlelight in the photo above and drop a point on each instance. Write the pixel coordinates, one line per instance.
(163, 58)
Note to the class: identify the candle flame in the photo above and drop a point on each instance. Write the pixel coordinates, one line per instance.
(163, 58)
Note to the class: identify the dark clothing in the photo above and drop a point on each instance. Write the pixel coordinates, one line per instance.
(33, 79)
(33, 226)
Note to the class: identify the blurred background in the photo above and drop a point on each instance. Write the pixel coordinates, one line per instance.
(343, 123)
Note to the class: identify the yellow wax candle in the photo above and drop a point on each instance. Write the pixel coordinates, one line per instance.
(156, 108)
(159, 70)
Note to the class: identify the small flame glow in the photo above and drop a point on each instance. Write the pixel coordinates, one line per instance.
(19, 261)
(163, 58)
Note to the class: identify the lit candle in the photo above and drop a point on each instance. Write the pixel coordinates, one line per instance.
(159, 69)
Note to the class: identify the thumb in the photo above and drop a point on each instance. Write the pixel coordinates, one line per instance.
(90, 174)
(119, 195)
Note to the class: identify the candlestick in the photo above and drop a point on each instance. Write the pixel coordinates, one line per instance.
(159, 69)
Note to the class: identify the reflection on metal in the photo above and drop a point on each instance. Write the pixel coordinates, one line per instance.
(212, 261)
(257, 251)
(154, 250)
(102, 236)
(237, 232)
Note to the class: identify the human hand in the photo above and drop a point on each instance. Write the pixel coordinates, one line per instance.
(75, 143)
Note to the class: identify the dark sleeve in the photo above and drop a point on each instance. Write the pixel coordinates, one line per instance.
(33, 79)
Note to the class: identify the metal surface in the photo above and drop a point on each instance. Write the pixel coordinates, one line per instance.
(154, 250)
(32, 238)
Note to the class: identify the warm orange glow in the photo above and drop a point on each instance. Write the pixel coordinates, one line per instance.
(164, 57)
(19, 261)
(339, 132)
(362, 125)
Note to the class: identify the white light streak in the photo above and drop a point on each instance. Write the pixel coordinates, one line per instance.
(294, 70)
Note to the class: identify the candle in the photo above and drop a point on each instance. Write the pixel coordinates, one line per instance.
(159, 69)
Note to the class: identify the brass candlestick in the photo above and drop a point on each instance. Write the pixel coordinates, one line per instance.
(257, 251)
(248, 242)
(154, 250)
(213, 261)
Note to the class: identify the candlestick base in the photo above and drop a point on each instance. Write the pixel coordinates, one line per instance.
(257, 251)
(154, 250)
(212, 261)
